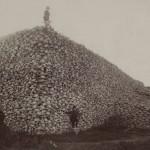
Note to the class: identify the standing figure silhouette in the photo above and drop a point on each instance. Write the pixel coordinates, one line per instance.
(46, 17)
(74, 116)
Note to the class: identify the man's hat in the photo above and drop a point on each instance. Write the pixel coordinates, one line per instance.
(48, 8)
(74, 106)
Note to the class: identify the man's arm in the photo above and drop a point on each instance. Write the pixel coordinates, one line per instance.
(69, 112)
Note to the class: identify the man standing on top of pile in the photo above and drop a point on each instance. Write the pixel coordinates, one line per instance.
(46, 17)
(74, 118)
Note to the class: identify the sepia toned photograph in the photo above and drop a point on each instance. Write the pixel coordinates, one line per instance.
(74, 75)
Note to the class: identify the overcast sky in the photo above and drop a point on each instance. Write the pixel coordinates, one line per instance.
(118, 30)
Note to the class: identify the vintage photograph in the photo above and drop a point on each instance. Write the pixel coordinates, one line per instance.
(74, 75)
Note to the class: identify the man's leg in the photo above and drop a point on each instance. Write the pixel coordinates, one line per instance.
(46, 24)
(76, 129)
(76, 123)
(72, 124)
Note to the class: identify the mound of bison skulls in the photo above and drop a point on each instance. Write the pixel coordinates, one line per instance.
(43, 74)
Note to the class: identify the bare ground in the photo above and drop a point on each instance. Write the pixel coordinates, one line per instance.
(104, 138)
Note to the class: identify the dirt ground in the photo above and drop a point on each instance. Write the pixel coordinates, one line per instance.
(105, 138)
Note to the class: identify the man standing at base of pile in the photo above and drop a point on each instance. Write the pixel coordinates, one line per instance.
(74, 118)
(46, 17)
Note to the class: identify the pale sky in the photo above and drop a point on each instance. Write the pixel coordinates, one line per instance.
(118, 30)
